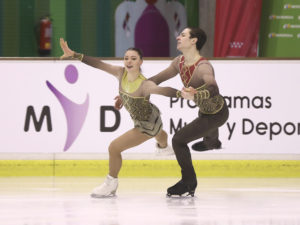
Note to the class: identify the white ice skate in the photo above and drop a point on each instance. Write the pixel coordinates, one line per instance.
(166, 151)
(107, 189)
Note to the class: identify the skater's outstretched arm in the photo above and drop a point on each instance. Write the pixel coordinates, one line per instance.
(91, 61)
(166, 74)
(149, 87)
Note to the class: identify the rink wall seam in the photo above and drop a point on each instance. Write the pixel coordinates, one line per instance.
(150, 168)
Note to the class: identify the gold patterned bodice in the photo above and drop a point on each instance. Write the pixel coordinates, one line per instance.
(139, 108)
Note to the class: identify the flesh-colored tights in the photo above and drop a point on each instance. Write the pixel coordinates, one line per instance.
(128, 140)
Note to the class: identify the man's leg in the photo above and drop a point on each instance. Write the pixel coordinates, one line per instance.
(180, 140)
(211, 137)
(210, 142)
(198, 128)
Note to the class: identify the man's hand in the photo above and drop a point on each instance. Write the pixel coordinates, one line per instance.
(118, 102)
(188, 93)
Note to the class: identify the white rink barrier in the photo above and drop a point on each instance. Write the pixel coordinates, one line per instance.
(50, 106)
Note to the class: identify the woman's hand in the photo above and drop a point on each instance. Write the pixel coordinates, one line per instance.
(68, 53)
(118, 102)
(188, 93)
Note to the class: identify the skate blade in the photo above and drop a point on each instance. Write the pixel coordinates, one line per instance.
(167, 153)
(103, 196)
(164, 155)
(184, 195)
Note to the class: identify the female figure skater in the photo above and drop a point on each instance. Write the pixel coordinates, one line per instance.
(134, 90)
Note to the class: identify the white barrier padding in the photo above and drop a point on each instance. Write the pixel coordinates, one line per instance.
(66, 106)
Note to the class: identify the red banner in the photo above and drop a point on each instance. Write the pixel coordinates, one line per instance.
(237, 28)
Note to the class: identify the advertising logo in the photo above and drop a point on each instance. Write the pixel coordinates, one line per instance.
(290, 6)
(273, 35)
(236, 44)
(281, 17)
(75, 113)
(294, 26)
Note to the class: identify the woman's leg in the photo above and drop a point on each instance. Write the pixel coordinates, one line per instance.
(128, 140)
(162, 147)
(162, 139)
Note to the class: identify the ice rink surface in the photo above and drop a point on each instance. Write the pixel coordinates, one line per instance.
(218, 201)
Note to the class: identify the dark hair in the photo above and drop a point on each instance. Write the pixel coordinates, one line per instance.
(139, 51)
(198, 33)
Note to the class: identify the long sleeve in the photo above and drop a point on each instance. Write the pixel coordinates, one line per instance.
(207, 103)
(167, 91)
(99, 64)
(93, 61)
(149, 87)
(207, 97)
(166, 74)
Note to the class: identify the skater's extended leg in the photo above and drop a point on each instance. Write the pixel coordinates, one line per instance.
(162, 147)
(128, 140)
(162, 139)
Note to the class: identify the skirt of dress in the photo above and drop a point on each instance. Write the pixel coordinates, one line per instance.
(152, 126)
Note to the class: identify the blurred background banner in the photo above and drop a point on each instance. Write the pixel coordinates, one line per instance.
(237, 28)
(280, 29)
(151, 25)
(106, 28)
(91, 26)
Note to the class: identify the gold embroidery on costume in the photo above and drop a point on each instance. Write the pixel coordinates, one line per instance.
(77, 56)
(207, 104)
(178, 94)
(186, 72)
(201, 94)
(138, 107)
(146, 116)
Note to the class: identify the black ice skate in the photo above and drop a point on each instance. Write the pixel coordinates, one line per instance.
(201, 146)
(182, 188)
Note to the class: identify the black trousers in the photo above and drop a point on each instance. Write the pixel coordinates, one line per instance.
(206, 126)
